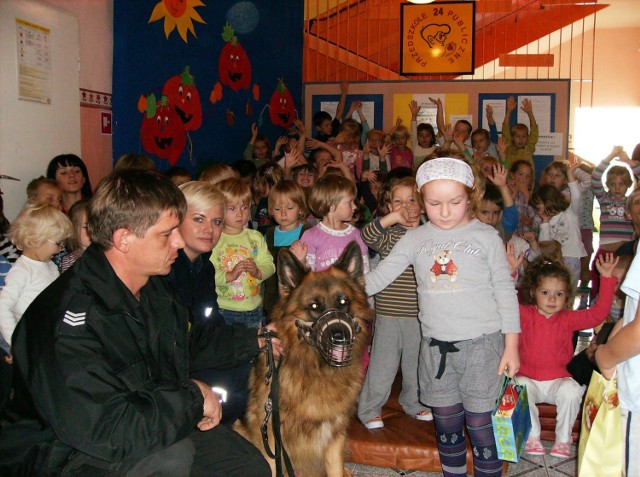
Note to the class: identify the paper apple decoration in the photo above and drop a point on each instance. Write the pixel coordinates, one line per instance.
(234, 67)
(162, 132)
(282, 110)
(181, 92)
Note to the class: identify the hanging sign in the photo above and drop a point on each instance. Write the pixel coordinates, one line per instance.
(437, 38)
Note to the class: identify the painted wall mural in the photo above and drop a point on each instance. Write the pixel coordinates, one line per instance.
(223, 49)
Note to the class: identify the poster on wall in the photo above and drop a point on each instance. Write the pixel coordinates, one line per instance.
(34, 62)
(437, 38)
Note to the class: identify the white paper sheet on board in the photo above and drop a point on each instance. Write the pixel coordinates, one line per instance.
(541, 111)
(499, 110)
(454, 118)
(428, 110)
(550, 144)
(329, 107)
(368, 109)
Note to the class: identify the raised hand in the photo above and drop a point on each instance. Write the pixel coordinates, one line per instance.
(606, 263)
(436, 101)
(526, 106)
(514, 262)
(499, 178)
(414, 109)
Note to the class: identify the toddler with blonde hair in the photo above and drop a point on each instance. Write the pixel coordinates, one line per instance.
(40, 233)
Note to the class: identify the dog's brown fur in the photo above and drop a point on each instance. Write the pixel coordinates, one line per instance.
(316, 401)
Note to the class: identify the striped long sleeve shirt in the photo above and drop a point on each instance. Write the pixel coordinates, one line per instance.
(400, 299)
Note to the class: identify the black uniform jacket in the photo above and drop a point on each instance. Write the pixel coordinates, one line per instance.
(99, 372)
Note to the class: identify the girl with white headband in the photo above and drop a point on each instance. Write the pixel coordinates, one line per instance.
(468, 313)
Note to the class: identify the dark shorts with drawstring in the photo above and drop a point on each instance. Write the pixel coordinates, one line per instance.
(470, 375)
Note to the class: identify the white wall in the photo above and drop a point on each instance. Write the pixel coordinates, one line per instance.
(32, 133)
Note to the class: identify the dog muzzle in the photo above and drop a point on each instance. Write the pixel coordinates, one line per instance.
(333, 334)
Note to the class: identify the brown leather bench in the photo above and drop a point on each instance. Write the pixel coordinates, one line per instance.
(403, 442)
(406, 443)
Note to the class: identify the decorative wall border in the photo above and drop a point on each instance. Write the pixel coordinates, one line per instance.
(95, 99)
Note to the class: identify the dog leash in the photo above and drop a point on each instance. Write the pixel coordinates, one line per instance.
(272, 407)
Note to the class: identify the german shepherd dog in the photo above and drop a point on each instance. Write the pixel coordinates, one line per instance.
(321, 320)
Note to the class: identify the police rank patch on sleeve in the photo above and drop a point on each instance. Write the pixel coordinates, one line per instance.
(74, 319)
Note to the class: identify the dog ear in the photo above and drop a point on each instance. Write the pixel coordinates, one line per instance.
(290, 271)
(351, 262)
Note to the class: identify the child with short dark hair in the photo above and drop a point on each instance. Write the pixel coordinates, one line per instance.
(496, 207)
(520, 140)
(423, 137)
(327, 127)
(267, 176)
(178, 175)
(560, 221)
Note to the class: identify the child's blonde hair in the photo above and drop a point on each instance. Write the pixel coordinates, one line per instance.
(402, 131)
(551, 251)
(234, 189)
(519, 127)
(202, 195)
(34, 185)
(290, 190)
(328, 191)
(387, 196)
(36, 225)
(217, 173)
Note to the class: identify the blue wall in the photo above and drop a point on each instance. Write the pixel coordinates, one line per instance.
(269, 30)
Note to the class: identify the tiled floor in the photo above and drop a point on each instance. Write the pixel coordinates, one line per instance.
(529, 466)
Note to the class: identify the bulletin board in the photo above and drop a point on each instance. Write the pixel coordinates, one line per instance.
(463, 99)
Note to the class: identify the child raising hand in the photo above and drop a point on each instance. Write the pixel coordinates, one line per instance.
(546, 343)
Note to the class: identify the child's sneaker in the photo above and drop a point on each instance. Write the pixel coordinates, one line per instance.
(534, 447)
(424, 416)
(375, 423)
(561, 449)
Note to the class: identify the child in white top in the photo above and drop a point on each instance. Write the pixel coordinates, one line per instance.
(467, 308)
(40, 233)
(561, 220)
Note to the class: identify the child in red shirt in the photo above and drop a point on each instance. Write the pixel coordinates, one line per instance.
(546, 346)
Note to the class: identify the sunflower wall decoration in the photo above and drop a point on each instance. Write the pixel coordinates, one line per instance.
(178, 13)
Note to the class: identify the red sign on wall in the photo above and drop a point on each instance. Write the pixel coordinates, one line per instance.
(106, 123)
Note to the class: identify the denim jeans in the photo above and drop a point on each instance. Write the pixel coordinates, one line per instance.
(251, 319)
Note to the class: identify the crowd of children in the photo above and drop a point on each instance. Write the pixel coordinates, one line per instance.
(473, 265)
